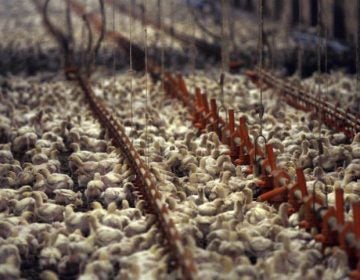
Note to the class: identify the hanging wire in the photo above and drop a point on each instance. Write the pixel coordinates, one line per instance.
(162, 47)
(83, 35)
(146, 85)
(260, 107)
(131, 70)
(172, 42)
(224, 37)
(318, 28)
(261, 60)
(319, 49)
(114, 50)
(326, 63)
(224, 53)
(301, 46)
(319, 46)
(326, 85)
(222, 101)
(193, 47)
(358, 57)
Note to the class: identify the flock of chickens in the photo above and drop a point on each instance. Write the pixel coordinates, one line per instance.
(69, 208)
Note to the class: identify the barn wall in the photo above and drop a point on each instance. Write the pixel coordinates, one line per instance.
(339, 17)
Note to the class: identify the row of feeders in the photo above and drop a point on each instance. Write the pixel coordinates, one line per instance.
(275, 185)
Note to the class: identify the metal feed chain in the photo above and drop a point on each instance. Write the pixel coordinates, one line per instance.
(350, 122)
(148, 186)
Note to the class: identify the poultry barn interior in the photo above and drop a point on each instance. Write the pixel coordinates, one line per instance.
(179, 139)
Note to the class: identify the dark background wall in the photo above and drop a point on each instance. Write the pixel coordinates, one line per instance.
(339, 17)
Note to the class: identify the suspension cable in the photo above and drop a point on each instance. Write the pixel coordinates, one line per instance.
(358, 57)
(326, 63)
(301, 46)
(260, 107)
(83, 35)
(162, 47)
(224, 36)
(319, 46)
(114, 50)
(131, 70)
(319, 49)
(146, 85)
(261, 60)
(172, 22)
(224, 52)
(193, 47)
